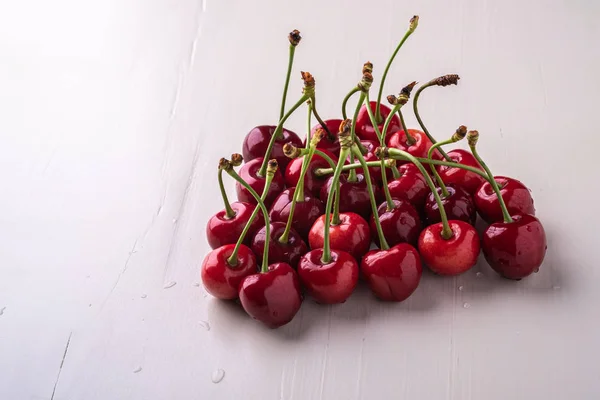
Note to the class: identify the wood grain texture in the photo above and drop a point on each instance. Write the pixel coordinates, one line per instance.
(114, 115)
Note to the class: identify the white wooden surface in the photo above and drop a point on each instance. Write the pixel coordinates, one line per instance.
(113, 116)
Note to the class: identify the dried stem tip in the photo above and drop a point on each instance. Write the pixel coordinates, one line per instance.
(345, 126)
(309, 80)
(472, 137)
(317, 136)
(406, 90)
(404, 95)
(460, 133)
(236, 159)
(294, 37)
(451, 79)
(366, 81)
(225, 164)
(414, 22)
(291, 151)
(367, 67)
(272, 167)
(381, 152)
(390, 162)
(344, 136)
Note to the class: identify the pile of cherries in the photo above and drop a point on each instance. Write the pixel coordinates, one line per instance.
(360, 198)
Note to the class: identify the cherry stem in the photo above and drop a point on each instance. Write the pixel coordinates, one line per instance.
(308, 119)
(287, 79)
(413, 25)
(278, 130)
(363, 95)
(350, 94)
(326, 258)
(332, 164)
(233, 259)
(323, 124)
(437, 176)
(383, 244)
(506, 215)
(229, 213)
(410, 140)
(328, 171)
(420, 121)
(395, 171)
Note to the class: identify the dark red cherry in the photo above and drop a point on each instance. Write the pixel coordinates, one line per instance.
(221, 230)
(328, 143)
(470, 181)
(312, 182)
(411, 186)
(305, 214)
(354, 195)
(257, 140)
(449, 256)
(273, 297)
(458, 205)
(249, 173)
(419, 148)
(289, 252)
(516, 196)
(332, 282)
(351, 235)
(221, 279)
(402, 224)
(370, 156)
(393, 274)
(364, 127)
(517, 249)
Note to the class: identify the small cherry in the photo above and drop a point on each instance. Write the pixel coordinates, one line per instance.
(312, 182)
(515, 247)
(412, 141)
(516, 195)
(226, 226)
(354, 196)
(468, 180)
(411, 185)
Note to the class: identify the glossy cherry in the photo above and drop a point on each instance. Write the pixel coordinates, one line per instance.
(222, 280)
(354, 195)
(305, 214)
(470, 181)
(221, 230)
(393, 274)
(312, 182)
(371, 146)
(272, 297)
(458, 205)
(517, 198)
(451, 256)
(402, 224)
(364, 127)
(257, 140)
(289, 252)
(411, 186)
(249, 173)
(516, 249)
(351, 235)
(328, 282)
(418, 148)
(329, 143)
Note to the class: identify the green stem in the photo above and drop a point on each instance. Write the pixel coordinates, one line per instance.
(383, 244)
(229, 213)
(352, 176)
(348, 167)
(287, 79)
(326, 157)
(409, 138)
(395, 172)
(308, 136)
(350, 94)
(420, 121)
(265, 164)
(374, 121)
(323, 125)
(438, 178)
(326, 258)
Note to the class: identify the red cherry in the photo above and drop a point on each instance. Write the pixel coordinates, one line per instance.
(354, 195)
(273, 297)
(458, 205)
(289, 252)
(305, 213)
(393, 274)
(364, 127)
(449, 256)
(402, 224)
(411, 186)
(257, 140)
(332, 282)
(312, 182)
(328, 143)
(221, 230)
(516, 196)
(351, 235)
(221, 279)
(419, 148)
(371, 146)
(249, 173)
(470, 181)
(516, 249)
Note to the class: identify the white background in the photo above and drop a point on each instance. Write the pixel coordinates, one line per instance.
(113, 115)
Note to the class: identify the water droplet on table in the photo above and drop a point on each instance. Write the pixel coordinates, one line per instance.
(138, 369)
(144, 296)
(205, 325)
(197, 284)
(2, 310)
(479, 274)
(461, 288)
(218, 375)
(466, 305)
(170, 285)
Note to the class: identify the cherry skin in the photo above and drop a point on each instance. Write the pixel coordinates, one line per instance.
(470, 181)
(221, 279)
(332, 282)
(393, 274)
(364, 127)
(516, 196)
(411, 186)
(274, 297)
(351, 235)
(221, 230)
(419, 148)
(249, 173)
(354, 195)
(257, 140)
(312, 182)
(402, 224)
(305, 214)
(517, 249)
(328, 143)
(375, 172)
(289, 252)
(452, 256)
(458, 205)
